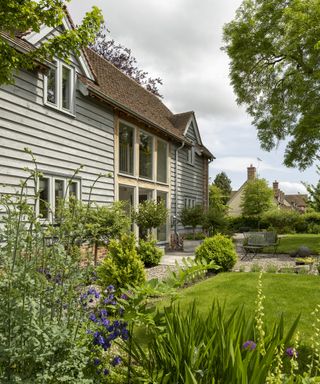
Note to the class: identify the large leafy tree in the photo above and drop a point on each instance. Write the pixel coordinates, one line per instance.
(257, 198)
(223, 182)
(122, 58)
(274, 47)
(23, 16)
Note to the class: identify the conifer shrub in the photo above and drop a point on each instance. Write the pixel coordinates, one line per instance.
(220, 250)
(122, 265)
(149, 253)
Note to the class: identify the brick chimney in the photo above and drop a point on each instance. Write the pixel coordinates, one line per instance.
(276, 188)
(251, 172)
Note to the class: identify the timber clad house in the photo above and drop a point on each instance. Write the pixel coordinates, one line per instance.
(89, 113)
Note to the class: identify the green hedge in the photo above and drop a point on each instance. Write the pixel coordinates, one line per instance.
(282, 221)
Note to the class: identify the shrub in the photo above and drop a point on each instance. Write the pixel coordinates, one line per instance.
(218, 249)
(239, 223)
(282, 220)
(149, 253)
(122, 266)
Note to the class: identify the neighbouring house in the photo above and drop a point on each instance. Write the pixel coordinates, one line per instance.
(88, 113)
(296, 202)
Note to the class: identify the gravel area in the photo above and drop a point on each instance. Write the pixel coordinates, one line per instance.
(158, 272)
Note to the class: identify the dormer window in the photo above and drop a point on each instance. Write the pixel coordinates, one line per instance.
(59, 87)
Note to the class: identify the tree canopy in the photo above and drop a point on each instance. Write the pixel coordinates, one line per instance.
(21, 17)
(257, 198)
(122, 58)
(274, 47)
(223, 182)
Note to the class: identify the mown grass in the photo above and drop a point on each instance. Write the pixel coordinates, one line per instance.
(290, 243)
(285, 293)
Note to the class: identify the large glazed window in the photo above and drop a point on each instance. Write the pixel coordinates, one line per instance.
(145, 155)
(126, 144)
(162, 161)
(162, 230)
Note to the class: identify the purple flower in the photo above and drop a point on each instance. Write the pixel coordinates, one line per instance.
(292, 352)
(103, 312)
(116, 361)
(249, 345)
(124, 296)
(110, 288)
(92, 317)
(105, 322)
(105, 372)
(96, 361)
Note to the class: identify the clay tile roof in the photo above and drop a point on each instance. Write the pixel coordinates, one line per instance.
(122, 89)
(180, 120)
(17, 42)
(298, 200)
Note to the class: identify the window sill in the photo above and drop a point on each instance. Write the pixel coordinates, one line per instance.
(64, 111)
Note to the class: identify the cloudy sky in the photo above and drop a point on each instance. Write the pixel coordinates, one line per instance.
(179, 41)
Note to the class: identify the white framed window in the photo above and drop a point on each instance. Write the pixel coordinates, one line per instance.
(53, 190)
(59, 87)
(191, 155)
(189, 202)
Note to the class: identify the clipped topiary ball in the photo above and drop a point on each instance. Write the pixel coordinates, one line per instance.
(219, 249)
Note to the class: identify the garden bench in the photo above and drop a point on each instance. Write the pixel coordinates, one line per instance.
(256, 241)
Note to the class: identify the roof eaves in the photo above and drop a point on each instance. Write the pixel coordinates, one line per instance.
(133, 113)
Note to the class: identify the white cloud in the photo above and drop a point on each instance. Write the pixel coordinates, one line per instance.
(240, 164)
(292, 188)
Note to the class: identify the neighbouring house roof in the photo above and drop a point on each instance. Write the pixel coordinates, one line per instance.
(232, 194)
(298, 200)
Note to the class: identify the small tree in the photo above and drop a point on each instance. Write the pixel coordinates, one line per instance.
(104, 223)
(149, 215)
(192, 217)
(257, 198)
(223, 182)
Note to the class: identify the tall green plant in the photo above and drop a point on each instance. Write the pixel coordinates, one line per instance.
(40, 316)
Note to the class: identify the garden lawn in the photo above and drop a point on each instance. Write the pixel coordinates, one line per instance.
(290, 243)
(289, 294)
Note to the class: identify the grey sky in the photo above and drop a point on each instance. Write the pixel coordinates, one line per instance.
(179, 41)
